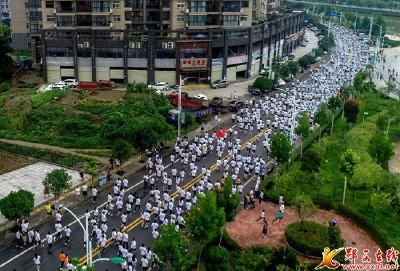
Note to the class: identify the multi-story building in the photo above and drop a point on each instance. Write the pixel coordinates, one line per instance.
(4, 10)
(157, 40)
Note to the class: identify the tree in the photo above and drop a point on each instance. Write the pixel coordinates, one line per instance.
(351, 109)
(263, 83)
(17, 205)
(310, 161)
(306, 61)
(122, 150)
(380, 201)
(293, 67)
(205, 220)
(323, 116)
(171, 246)
(281, 148)
(347, 164)
(334, 103)
(347, 91)
(6, 62)
(217, 258)
(90, 167)
(381, 149)
(304, 206)
(57, 182)
(5, 31)
(228, 200)
(359, 79)
(303, 129)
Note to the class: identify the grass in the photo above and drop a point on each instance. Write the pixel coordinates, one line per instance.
(328, 183)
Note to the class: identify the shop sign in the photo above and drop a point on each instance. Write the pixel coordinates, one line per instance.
(193, 63)
(237, 60)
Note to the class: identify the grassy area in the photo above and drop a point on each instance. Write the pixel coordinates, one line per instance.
(328, 184)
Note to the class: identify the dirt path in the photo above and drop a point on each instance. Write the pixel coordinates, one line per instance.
(394, 163)
(57, 149)
(247, 232)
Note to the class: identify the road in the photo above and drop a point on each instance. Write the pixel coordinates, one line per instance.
(14, 259)
(388, 11)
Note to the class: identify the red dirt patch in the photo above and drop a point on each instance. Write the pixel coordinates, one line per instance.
(10, 162)
(247, 232)
(17, 103)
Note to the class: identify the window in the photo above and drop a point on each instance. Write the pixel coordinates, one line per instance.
(116, 18)
(180, 18)
(181, 7)
(116, 4)
(231, 20)
(244, 17)
(197, 20)
(50, 18)
(50, 4)
(244, 4)
(198, 6)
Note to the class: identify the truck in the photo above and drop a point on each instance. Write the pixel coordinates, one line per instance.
(96, 85)
(172, 115)
(187, 102)
(220, 105)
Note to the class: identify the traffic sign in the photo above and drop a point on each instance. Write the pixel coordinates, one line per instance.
(117, 260)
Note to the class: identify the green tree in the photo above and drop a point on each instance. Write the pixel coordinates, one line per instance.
(228, 200)
(323, 116)
(306, 61)
(334, 103)
(293, 67)
(90, 167)
(351, 109)
(58, 181)
(5, 31)
(281, 147)
(6, 62)
(171, 247)
(122, 150)
(304, 206)
(380, 201)
(347, 165)
(381, 149)
(303, 129)
(17, 205)
(310, 161)
(263, 83)
(359, 81)
(217, 258)
(205, 221)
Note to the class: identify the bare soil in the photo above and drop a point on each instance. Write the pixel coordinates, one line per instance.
(109, 95)
(17, 103)
(10, 162)
(246, 231)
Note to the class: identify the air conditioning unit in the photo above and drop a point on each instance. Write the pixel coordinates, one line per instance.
(111, 11)
(170, 45)
(240, 24)
(186, 25)
(54, 11)
(80, 45)
(187, 10)
(111, 25)
(164, 45)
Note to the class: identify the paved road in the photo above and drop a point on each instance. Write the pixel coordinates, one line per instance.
(11, 258)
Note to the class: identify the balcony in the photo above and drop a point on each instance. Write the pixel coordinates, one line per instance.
(65, 9)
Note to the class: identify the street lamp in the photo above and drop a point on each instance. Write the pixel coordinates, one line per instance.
(364, 114)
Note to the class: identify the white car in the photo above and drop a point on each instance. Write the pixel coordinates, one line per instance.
(281, 82)
(71, 82)
(160, 86)
(60, 84)
(201, 97)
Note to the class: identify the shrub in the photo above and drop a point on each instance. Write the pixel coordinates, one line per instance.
(351, 109)
(43, 98)
(263, 83)
(122, 150)
(311, 238)
(17, 205)
(217, 258)
(310, 161)
(5, 86)
(69, 161)
(137, 88)
(284, 254)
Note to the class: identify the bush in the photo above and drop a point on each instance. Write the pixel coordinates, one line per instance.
(351, 109)
(306, 61)
(284, 254)
(122, 150)
(17, 205)
(5, 86)
(263, 83)
(311, 238)
(69, 161)
(310, 161)
(217, 258)
(45, 97)
(137, 88)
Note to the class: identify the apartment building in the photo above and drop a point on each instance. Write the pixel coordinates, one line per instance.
(4, 10)
(157, 40)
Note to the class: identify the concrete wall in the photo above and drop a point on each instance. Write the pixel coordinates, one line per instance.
(20, 31)
(165, 76)
(216, 73)
(138, 76)
(53, 74)
(85, 74)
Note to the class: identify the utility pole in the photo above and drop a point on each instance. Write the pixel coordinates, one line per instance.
(370, 27)
(340, 20)
(329, 27)
(322, 14)
(179, 105)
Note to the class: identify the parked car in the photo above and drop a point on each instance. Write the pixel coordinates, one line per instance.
(255, 91)
(220, 84)
(291, 57)
(71, 82)
(220, 105)
(281, 82)
(235, 106)
(60, 84)
(201, 97)
(160, 86)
